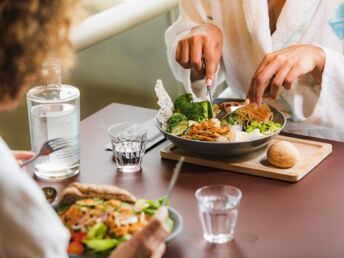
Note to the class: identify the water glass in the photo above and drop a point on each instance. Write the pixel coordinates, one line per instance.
(128, 144)
(218, 211)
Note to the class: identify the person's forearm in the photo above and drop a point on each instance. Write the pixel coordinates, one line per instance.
(317, 73)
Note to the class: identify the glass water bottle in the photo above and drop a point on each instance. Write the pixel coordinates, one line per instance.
(54, 112)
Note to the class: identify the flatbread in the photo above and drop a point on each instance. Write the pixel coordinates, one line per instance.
(78, 191)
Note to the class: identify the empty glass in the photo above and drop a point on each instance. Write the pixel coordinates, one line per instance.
(218, 210)
(128, 145)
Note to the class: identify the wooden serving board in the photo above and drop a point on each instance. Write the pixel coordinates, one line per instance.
(311, 154)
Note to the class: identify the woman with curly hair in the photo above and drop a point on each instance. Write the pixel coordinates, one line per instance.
(33, 31)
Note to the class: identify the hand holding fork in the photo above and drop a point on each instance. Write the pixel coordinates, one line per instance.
(47, 148)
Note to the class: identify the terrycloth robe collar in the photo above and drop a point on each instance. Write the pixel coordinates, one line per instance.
(290, 28)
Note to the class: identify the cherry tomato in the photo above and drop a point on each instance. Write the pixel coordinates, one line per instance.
(76, 248)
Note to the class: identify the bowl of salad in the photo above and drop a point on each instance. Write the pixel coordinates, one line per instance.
(101, 217)
(193, 126)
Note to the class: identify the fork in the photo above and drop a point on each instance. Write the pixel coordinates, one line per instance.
(47, 148)
(227, 111)
(173, 180)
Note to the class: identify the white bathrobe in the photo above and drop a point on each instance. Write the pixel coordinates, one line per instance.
(316, 110)
(29, 227)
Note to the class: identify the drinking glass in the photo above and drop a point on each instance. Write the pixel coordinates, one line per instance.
(128, 145)
(218, 211)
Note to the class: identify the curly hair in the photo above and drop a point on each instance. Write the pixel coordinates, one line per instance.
(32, 31)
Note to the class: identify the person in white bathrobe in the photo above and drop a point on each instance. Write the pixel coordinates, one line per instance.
(290, 52)
(30, 32)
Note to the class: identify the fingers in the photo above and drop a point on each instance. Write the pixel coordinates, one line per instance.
(251, 97)
(204, 42)
(154, 234)
(190, 53)
(291, 63)
(294, 73)
(270, 77)
(185, 61)
(157, 228)
(159, 251)
(161, 214)
(182, 54)
(23, 155)
(250, 93)
(211, 62)
(147, 243)
(196, 55)
(262, 80)
(266, 60)
(278, 82)
(179, 51)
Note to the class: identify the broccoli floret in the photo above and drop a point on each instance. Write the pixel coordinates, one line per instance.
(183, 103)
(197, 111)
(175, 119)
(200, 111)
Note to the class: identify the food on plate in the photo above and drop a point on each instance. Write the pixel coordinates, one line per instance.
(78, 191)
(194, 121)
(196, 111)
(283, 154)
(101, 217)
(209, 130)
(177, 123)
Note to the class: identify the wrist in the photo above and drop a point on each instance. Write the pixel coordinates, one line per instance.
(320, 65)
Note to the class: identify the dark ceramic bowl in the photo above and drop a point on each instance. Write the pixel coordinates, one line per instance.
(224, 149)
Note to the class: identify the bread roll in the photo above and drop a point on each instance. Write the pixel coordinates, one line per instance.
(77, 191)
(283, 154)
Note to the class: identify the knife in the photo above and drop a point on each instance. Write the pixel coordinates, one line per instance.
(208, 82)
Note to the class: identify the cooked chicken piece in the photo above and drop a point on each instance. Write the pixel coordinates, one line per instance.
(208, 130)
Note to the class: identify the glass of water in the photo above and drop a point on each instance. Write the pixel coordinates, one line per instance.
(218, 210)
(128, 145)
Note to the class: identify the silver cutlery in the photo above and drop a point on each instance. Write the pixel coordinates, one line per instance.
(47, 148)
(173, 180)
(210, 99)
(227, 111)
(208, 83)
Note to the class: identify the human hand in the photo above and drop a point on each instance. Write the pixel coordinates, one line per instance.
(200, 51)
(147, 243)
(23, 155)
(282, 68)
